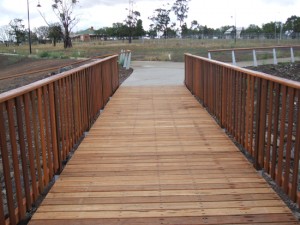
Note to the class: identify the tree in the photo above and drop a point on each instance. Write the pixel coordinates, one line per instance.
(55, 33)
(196, 29)
(139, 30)
(161, 21)
(180, 8)
(42, 32)
(152, 31)
(131, 22)
(252, 31)
(5, 34)
(64, 11)
(271, 29)
(118, 30)
(293, 23)
(185, 31)
(17, 30)
(208, 31)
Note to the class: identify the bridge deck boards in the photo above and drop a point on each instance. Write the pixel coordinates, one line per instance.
(155, 156)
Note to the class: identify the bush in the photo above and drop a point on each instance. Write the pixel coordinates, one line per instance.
(52, 55)
(44, 54)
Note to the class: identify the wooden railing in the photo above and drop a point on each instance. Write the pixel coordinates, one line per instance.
(260, 111)
(41, 123)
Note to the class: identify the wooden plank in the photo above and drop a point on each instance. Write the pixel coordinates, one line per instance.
(209, 220)
(171, 198)
(71, 187)
(160, 206)
(156, 157)
(107, 194)
(161, 213)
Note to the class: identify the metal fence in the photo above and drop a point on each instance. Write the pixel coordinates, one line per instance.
(41, 123)
(268, 52)
(260, 111)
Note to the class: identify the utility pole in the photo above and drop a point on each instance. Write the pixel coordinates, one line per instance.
(130, 17)
(235, 28)
(29, 35)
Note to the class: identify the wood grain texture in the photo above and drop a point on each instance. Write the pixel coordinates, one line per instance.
(155, 156)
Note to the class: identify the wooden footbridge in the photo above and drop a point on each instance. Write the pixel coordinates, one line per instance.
(155, 155)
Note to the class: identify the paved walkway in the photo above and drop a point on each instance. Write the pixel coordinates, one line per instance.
(155, 73)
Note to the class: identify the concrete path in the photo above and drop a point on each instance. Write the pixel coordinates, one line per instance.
(155, 74)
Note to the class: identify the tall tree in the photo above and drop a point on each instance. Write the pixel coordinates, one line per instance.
(5, 34)
(181, 9)
(293, 23)
(196, 28)
(17, 30)
(152, 31)
(131, 22)
(42, 32)
(55, 33)
(161, 20)
(64, 10)
(271, 29)
(185, 31)
(252, 31)
(119, 30)
(139, 30)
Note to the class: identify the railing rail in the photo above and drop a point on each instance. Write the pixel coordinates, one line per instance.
(41, 123)
(272, 49)
(260, 111)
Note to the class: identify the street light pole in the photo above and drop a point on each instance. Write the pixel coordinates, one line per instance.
(235, 28)
(29, 35)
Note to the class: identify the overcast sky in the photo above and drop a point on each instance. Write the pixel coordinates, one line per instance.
(101, 13)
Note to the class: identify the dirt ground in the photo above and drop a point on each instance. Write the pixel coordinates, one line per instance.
(284, 70)
(14, 71)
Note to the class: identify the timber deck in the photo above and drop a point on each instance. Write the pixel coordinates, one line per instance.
(155, 156)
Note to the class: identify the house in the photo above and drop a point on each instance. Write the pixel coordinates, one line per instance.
(84, 35)
(229, 34)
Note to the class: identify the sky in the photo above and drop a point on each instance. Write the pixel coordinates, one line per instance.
(103, 13)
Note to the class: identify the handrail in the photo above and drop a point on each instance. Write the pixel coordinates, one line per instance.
(27, 88)
(41, 123)
(54, 68)
(261, 113)
(254, 48)
(287, 82)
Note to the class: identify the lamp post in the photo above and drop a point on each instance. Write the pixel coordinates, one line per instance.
(29, 32)
(130, 19)
(29, 35)
(234, 27)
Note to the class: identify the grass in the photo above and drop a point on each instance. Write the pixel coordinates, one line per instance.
(153, 50)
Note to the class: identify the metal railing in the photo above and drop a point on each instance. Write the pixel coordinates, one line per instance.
(260, 111)
(254, 51)
(41, 123)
